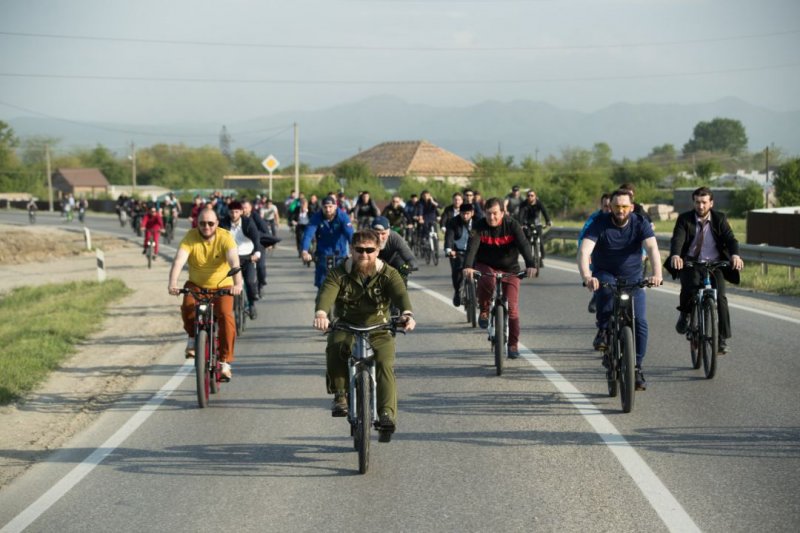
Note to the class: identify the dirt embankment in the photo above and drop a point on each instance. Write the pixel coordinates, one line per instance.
(136, 332)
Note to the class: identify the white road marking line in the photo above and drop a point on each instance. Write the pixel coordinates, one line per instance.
(667, 507)
(57, 491)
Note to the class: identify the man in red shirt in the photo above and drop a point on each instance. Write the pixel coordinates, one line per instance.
(152, 224)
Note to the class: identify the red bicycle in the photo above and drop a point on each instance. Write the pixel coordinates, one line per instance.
(208, 368)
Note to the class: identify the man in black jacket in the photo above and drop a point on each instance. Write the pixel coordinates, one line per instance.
(495, 244)
(248, 242)
(704, 234)
(265, 231)
(394, 250)
(456, 239)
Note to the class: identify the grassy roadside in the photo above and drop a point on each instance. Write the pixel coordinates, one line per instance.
(776, 281)
(40, 326)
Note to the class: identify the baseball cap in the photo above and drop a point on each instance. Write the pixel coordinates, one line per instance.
(328, 200)
(380, 223)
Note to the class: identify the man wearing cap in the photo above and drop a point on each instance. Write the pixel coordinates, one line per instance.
(394, 250)
(248, 244)
(456, 239)
(332, 229)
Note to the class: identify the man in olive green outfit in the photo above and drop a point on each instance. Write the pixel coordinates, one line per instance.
(363, 288)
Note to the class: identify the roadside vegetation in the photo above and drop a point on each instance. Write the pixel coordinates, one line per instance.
(40, 327)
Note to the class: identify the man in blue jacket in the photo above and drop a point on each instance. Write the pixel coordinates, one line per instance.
(332, 230)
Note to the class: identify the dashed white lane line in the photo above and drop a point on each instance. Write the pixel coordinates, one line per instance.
(667, 507)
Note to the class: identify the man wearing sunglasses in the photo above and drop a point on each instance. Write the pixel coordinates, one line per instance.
(210, 252)
(613, 244)
(363, 289)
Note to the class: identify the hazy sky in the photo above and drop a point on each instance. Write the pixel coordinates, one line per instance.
(158, 61)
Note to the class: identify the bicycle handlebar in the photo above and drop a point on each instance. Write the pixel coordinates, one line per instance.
(521, 274)
(393, 325)
(205, 295)
(711, 265)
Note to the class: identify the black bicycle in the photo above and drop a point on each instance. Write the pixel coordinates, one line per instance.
(240, 311)
(469, 298)
(498, 316)
(208, 368)
(619, 355)
(537, 245)
(362, 412)
(703, 330)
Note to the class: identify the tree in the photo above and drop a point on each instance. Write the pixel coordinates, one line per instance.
(720, 135)
(706, 169)
(787, 183)
(601, 154)
(352, 170)
(746, 199)
(8, 142)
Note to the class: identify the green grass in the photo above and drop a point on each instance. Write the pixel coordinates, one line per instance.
(40, 326)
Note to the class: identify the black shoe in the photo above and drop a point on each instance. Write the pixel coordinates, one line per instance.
(253, 312)
(641, 384)
(600, 342)
(513, 352)
(483, 320)
(339, 406)
(144, 251)
(386, 423)
(593, 304)
(457, 299)
(722, 347)
(683, 323)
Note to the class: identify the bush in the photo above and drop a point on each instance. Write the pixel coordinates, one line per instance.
(746, 199)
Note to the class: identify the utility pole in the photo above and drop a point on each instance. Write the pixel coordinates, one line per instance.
(766, 172)
(49, 175)
(133, 169)
(296, 161)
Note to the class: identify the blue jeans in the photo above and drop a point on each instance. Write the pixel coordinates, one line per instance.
(605, 306)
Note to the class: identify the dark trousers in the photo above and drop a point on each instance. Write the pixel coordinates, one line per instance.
(456, 270)
(261, 270)
(690, 281)
(605, 306)
(249, 275)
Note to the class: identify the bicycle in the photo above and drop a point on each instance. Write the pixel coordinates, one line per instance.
(362, 412)
(169, 230)
(702, 333)
(430, 246)
(498, 316)
(122, 213)
(151, 252)
(535, 239)
(31, 216)
(619, 356)
(469, 297)
(207, 366)
(240, 312)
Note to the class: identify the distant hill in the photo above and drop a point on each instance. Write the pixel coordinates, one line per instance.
(517, 128)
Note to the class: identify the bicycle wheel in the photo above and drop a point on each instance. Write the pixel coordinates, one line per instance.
(694, 337)
(612, 357)
(435, 251)
(150, 254)
(627, 363)
(238, 313)
(471, 304)
(499, 337)
(201, 356)
(537, 254)
(214, 366)
(363, 419)
(709, 342)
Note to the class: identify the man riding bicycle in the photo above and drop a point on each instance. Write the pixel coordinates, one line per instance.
(363, 289)
(210, 252)
(494, 246)
(152, 224)
(704, 234)
(427, 215)
(365, 210)
(393, 248)
(395, 213)
(333, 230)
(530, 215)
(456, 239)
(248, 244)
(613, 242)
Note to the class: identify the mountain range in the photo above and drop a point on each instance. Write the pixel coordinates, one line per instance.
(518, 128)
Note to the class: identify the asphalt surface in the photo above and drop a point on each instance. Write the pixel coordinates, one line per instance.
(540, 448)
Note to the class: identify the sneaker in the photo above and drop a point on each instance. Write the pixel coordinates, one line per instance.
(641, 384)
(483, 320)
(683, 323)
(339, 408)
(225, 371)
(722, 347)
(513, 352)
(600, 341)
(457, 299)
(189, 348)
(593, 304)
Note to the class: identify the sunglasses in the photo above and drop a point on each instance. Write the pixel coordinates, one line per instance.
(363, 250)
(207, 224)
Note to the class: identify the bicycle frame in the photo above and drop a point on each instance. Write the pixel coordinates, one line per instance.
(362, 357)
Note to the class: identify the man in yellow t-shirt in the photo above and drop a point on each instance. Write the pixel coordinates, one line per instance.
(210, 252)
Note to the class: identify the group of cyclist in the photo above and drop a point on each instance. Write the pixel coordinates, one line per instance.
(360, 274)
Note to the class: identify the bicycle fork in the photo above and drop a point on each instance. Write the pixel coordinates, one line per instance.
(362, 356)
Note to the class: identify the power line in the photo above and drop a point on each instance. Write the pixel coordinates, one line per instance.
(401, 81)
(369, 48)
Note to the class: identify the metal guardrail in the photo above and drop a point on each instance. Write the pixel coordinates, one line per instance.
(750, 253)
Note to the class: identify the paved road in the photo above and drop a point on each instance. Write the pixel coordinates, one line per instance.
(540, 448)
